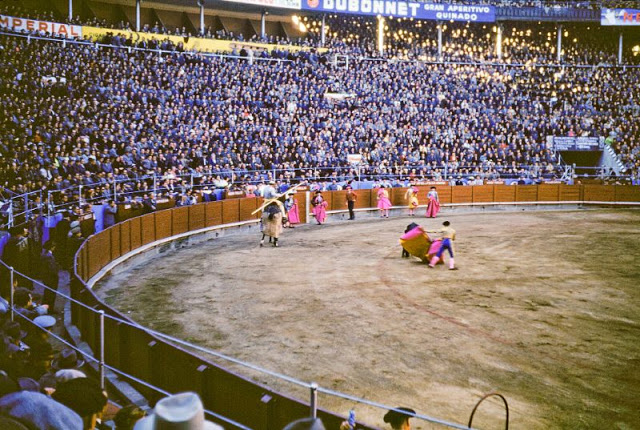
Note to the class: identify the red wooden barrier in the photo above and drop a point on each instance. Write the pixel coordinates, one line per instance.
(627, 193)
(444, 193)
(482, 193)
(163, 224)
(125, 237)
(549, 193)
(364, 199)
(180, 220)
(461, 195)
(397, 196)
(213, 214)
(246, 206)
(373, 199)
(570, 193)
(114, 232)
(599, 193)
(526, 193)
(338, 201)
(148, 229)
(112, 351)
(504, 193)
(136, 234)
(230, 211)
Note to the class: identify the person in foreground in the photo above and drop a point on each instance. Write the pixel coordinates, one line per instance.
(398, 418)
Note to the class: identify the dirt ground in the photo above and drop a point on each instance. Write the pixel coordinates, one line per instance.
(545, 310)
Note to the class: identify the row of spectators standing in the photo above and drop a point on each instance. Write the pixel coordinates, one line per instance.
(26, 254)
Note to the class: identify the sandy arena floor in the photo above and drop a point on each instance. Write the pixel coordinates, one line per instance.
(545, 310)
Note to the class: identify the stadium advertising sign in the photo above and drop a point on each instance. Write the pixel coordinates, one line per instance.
(285, 4)
(354, 159)
(404, 9)
(620, 17)
(577, 143)
(33, 25)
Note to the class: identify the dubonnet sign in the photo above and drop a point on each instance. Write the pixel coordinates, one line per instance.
(405, 9)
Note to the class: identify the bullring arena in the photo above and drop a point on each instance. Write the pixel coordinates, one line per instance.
(543, 310)
(147, 148)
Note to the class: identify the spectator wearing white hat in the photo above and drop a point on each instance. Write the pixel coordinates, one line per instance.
(183, 411)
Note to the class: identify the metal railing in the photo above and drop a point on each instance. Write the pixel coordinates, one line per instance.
(98, 361)
(130, 49)
(347, 57)
(49, 202)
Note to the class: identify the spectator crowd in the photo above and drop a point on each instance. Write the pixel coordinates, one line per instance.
(109, 119)
(79, 115)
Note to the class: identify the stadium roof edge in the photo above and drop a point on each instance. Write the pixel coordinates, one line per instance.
(247, 11)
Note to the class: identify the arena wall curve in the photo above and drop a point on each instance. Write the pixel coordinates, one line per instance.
(174, 369)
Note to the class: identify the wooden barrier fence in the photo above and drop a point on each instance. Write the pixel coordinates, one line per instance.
(173, 369)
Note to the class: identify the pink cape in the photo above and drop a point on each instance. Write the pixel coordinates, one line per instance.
(320, 211)
(293, 214)
(433, 250)
(433, 207)
(383, 200)
(413, 233)
(417, 243)
(435, 247)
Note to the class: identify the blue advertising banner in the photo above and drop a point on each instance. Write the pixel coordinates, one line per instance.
(576, 143)
(620, 17)
(404, 9)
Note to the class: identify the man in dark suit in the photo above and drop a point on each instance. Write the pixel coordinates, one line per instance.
(149, 204)
(50, 274)
(60, 236)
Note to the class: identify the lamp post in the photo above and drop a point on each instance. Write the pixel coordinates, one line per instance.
(439, 25)
(138, 14)
(201, 4)
(499, 42)
(380, 35)
(620, 49)
(559, 47)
